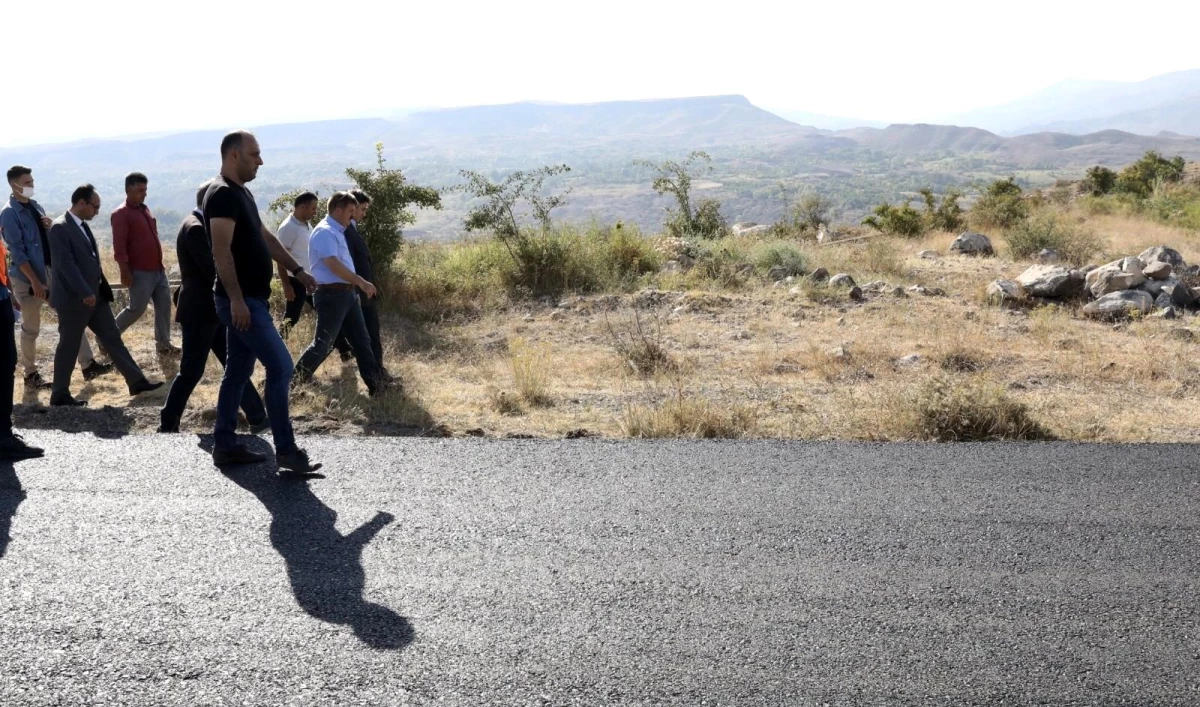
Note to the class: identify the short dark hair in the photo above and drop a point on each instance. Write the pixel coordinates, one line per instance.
(134, 179)
(200, 192)
(360, 196)
(305, 198)
(340, 200)
(17, 171)
(233, 141)
(83, 192)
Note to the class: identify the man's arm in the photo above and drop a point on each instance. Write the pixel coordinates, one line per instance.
(120, 236)
(281, 256)
(66, 270)
(10, 225)
(339, 269)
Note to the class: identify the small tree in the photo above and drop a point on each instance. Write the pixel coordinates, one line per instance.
(539, 259)
(903, 220)
(946, 216)
(1001, 205)
(810, 211)
(683, 221)
(1099, 181)
(1141, 177)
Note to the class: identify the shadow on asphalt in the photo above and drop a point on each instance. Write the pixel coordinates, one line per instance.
(106, 422)
(11, 495)
(324, 567)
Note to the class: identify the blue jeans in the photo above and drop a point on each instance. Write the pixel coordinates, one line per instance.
(260, 342)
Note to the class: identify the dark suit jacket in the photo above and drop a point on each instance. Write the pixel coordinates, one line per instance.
(198, 273)
(77, 270)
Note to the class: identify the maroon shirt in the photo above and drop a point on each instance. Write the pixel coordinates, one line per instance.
(135, 238)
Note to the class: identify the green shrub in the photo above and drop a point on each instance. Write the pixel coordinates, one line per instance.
(903, 221)
(1075, 244)
(1141, 177)
(1001, 206)
(627, 253)
(944, 216)
(1099, 181)
(784, 255)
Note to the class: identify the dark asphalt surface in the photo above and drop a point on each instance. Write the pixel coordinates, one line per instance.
(512, 573)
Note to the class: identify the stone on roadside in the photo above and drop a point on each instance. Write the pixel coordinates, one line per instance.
(1158, 270)
(1118, 305)
(1165, 313)
(1050, 281)
(928, 255)
(841, 280)
(778, 272)
(970, 243)
(819, 275)
(856, 294)
(1049, 255)
(909, 360)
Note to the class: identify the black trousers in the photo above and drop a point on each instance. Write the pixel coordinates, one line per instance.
(72, 320)
(200, 339)
(291, 313)
(370, 312)
(8, 364)
(339, 311)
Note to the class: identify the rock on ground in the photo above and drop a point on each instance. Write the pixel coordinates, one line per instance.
(1163, 254)
(1118, 305)
(1051, 281)
(970, 243)
(1117, 276)
(1005, 291)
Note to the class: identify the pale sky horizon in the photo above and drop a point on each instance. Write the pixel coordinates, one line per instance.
(102, 68)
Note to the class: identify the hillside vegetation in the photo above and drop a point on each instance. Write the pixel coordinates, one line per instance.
(541, 327)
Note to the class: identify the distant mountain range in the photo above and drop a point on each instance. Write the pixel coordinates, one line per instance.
(756, 155)
(1167, 103)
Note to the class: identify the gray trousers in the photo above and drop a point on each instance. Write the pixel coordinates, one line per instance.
(71, 323)
(31, 326)
(149, 286)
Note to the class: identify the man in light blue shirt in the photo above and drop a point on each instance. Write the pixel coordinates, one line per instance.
(336, 300)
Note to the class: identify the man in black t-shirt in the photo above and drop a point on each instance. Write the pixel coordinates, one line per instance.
(243, 250)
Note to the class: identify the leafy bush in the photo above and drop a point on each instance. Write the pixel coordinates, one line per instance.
(1000, 206)
(903, 221)
(953, 409)
(785, 255)
(684, 221)
(809, 212)
(1099, 181)
(628, 254)
(1141, 177)
(944, 216)
(1075, 244)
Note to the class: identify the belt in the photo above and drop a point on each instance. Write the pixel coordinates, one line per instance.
(336, 286)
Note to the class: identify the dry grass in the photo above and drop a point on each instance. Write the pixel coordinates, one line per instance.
(761, 362)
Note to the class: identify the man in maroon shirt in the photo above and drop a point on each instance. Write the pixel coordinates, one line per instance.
(139, 255)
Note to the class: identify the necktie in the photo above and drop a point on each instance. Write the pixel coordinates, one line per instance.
(91, 238)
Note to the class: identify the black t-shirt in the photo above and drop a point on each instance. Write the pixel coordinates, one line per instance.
(251, 259)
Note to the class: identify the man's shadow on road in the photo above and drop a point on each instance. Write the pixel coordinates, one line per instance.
(324, 567)
(11, 495)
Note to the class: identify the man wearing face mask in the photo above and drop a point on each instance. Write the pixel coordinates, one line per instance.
(25, 226)
(81, 296)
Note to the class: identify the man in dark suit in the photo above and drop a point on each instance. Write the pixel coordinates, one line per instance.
(361, 255)
(196, 313)
(81, 295)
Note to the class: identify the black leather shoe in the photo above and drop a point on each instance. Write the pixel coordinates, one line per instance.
(237, 455)
(144, 386)
(296, 462)
(65, 401)
(259, 427)
(95, 369)
(168, 426)
(35, 380)
(15, 447)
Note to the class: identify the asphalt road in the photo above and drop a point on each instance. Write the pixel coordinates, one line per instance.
(483, 572)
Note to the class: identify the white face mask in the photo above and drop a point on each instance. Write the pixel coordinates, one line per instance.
(26, 192)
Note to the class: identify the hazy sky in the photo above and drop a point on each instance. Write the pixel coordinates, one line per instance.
(101, 67)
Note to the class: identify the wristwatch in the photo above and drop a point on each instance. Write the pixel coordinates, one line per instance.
(297, 271)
